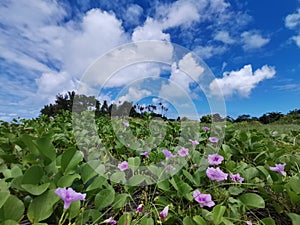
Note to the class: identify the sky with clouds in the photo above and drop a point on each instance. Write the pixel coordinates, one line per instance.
(251, 48)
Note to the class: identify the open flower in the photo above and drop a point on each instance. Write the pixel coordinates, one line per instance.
(167, 153)
(216, 174)
(215, 159)
(123, 166)
(110, 221)
(236, 178)
(183, 152)
(279, 168)
(68, 195)
(206, 128)
(126, 124)
(203, 199)
(194, 142)
(164, 213)
(146, 154)
(213, 139)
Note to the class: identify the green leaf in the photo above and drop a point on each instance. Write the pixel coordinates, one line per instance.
(295, 218)
(74, 209)
(33, 175)
(188, 221)
(125, 219)
(164, 185)
(217, 214)
(118, 177)
(97, 183)
(134, 163)
(67, 180)
(12, 209)
(268, 221)
(104, 198)
(294, 184)
(87, 173)
(252, 200)
(41, 207)
(120, 201)
(147, 221)
(70, 160)
(9, 222)
(199, 220)
(35, 189)
(235, 190)
(46, 149)
(4, 195)
(136, 180)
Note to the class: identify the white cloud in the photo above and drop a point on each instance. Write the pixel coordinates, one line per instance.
(209, 51)
(224, 37)
(133, 14)
(297, 40)
(253, 40)
(293, 20)
(134, 95)
(241, 82)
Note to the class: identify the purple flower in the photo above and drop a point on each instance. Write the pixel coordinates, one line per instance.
(203, 199)
(51, 118)
(110, 220)
(213, 139)
(163, 214)
(126, 124)
(68, 195)
(216, 174)
(123, 166)
(169, 168)
(167, 153)
(206, 128)
(279, 168)
(146, 154)
(140, 208)
(160, 136)
(248, 222)
(215, 159)
(194, 142)
(183, 152)
(236, 178)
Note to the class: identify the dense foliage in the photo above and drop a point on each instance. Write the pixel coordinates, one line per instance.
(42, 159)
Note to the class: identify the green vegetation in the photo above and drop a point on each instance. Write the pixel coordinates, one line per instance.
(40, 155)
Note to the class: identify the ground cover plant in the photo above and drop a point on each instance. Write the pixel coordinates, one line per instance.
(53, 172)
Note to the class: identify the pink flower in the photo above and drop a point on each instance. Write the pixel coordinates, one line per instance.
(123, 166)
(206, 128)
(68, 195)
(140, 208)
(194, 142)
(215, 159)
(146, 154)
(183, 152)
(216, 174)
(213, 139)
(248, 222)
(126, 124)
(163, 214)
(167, 153)
(279, 168)
(203, 199)
(236, 178)
(110, 220)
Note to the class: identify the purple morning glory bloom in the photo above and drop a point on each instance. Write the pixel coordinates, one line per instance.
(140, 208)
(110, 220)
(183, 152)
(164, 213)
(216, 174)
(123, 166)
(213, 139)
(236, 178)
(167, 153)
(194, 142)
(68, 195)
(146, 154)
(279, 168)
(203, 199)
(215, 159)
(126, 124)
(206, 128)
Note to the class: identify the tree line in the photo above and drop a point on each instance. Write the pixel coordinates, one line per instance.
(79, 103)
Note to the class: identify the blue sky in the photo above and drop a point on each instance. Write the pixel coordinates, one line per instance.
(251, 47)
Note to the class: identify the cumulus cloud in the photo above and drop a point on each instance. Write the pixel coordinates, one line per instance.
(209, 51)
(224, 37)
(134, 95)
(241, 82)
(293, 20)
(253, 40)
(297, 40)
